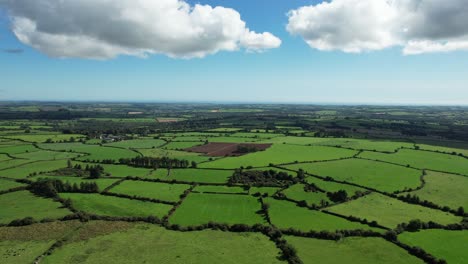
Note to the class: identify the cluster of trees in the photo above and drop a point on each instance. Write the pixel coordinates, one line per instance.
(51, 187)
(155, 163)
(416, 225)
(262, 178)
(338, 197)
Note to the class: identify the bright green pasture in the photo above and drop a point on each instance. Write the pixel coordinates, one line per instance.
(18, 205)
(276, 155)
(95, 152)
(158, 153)
(364, 144)
(284, 214)
(124, 171)
(378, 175)
(423, 160)
(350, 250)
(39, 138)
(444, 189)
(390, 212)
(12, 163)
(199, 209)
(330, 186)
(17, 149)
(25, 170)
(219, 189)
(153, 244)
(23, 244)
(443, 244)
(4, 157)
(102, 183)
(7, 184)
(161, 191)
(297, 193)
(182, 145)
(115, 206)
(46, 155)
(263, 190)
(138, 143)
(193, 175)
(444, 149)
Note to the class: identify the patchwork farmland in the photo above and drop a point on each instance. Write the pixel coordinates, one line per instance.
(227, 194)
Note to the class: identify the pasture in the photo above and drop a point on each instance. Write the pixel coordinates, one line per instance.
(350, 250)
(297, 193)
(115, 206)
(193, 175)
(377, 175)
(154, 190)
(200, 209)
(284, 214)
(21, 204)
(390, 212)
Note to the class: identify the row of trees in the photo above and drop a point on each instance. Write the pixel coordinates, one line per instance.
(155, 163)
(51, 187)
(262, 178)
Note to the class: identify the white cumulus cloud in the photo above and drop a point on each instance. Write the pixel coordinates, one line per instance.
(419, 26)
(103, 29)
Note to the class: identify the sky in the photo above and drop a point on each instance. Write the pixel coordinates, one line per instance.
(266, 51)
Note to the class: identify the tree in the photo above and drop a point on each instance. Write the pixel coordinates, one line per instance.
(194, 164)
(461, 211)
(94, 173)
(69, 164)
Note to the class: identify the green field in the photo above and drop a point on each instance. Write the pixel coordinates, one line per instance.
(330, 186)
(286, 215)
(18, 148)
(40, 138)
(444, 244)
(263, 190)
(24, 244)
(444, 189)
(350, 250)
(124, 171)
(25, 170)
(361, 144)
(275, 155)
(102, 183)
(95, 152)
(377, 175)
(200, 209)
(219, 189)
(181, 145)
(158, 153)
(193, 175)
(150, 244)
(46, 155)
(137, 143)
(390, 212)
(154, 190)
(18, 205)
(419, 159)
(114, 206)
(8, 184)
(297, 193)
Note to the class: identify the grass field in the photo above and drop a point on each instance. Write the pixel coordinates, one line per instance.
(114, 206)
(390, 212)
(23, 171)
(378, 175)
(7, 184)
(443, 244)
(150, 244)
(181, 145)
(350, 250)
(46, 155)
(362, 144)
(286, 215)
(18, 149)
(275, 155)
(137, 143)
(95, 152)
(263, 190)
(161, 191)
(24, 244)
(158, 153)
(219, 189)
(124, 171)
(18, 205)
(444, 149)
(193, 175)
(444, 189)
(333, 186)
(221, 208)
(419, 159)
(12, 163)
(297, 193)
(40, 138)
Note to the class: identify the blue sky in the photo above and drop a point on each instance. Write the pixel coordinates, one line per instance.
(294, 72)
